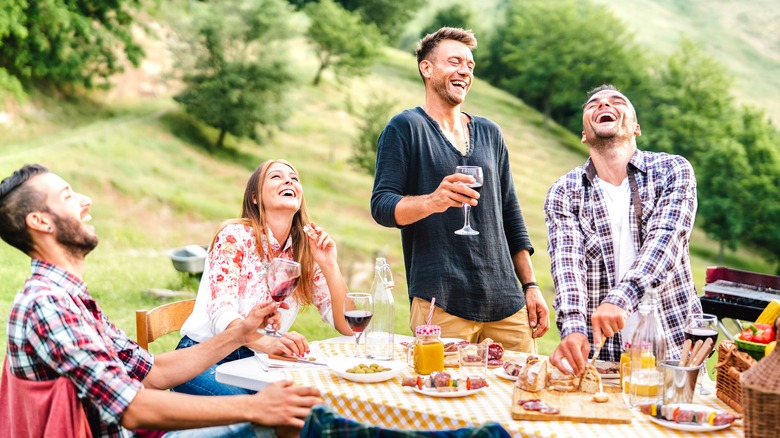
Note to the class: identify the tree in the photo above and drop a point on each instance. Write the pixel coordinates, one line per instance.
(457, 15)
(373, 119)
(760, 141)
(66, 43)
(723, 176)
(690, 108)
(239, 77)
(388, 15)
(340, 39)
(550, 53)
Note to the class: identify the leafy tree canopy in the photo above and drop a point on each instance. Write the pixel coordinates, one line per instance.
(341, 40)
(550, 53)
(458, 15)
(65, 43)
(239, 75)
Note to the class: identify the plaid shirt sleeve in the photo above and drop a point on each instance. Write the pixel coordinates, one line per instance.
(65, 338)
(567, 253)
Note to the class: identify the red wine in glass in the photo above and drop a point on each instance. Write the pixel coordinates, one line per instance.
(284, 289)
(701, 334)
(281, 276)
(358, 319)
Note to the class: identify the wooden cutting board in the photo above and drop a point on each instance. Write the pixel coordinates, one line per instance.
(574, 406)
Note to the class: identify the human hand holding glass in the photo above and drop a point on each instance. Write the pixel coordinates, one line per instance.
(476, 173)
(700, 326)
(282, 277)
(358, 310)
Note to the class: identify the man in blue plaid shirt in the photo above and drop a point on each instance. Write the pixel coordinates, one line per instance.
(618, 225)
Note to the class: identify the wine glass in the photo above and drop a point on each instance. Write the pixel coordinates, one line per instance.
(700, 326)
(281, 277)
(476, 172)
(358, 310)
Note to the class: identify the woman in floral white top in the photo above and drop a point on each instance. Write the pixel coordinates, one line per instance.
(274, 223)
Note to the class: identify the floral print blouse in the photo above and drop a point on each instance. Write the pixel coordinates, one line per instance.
(235, 278)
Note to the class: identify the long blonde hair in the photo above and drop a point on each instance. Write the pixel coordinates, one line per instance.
(253, 214)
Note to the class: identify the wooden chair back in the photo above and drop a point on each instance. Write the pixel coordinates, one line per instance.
(163, 319)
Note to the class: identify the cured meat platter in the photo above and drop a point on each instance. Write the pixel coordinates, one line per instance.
(573, 406)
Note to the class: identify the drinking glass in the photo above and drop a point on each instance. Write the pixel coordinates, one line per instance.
(700, 326)
(358, 310)
(476, 173)
(281, 277)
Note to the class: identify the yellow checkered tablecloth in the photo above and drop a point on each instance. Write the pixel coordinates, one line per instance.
(389, 404)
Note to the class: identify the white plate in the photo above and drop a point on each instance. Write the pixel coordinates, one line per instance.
(340, 365)
(607, 376)
(501, 372)
(689, 427)
(449, 394)
(447, 341)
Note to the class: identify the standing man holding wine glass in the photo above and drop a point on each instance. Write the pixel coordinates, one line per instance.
(474, 277)
(617, 226)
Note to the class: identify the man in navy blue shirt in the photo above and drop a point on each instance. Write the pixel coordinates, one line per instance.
(474, 279)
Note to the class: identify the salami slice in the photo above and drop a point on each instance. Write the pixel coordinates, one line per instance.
(549, 410)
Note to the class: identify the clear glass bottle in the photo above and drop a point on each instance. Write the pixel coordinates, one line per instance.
(380, 333)
(648, 352)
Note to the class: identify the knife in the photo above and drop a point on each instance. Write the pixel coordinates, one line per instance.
(294, 359)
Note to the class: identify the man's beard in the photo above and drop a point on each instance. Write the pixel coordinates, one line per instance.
(72, 235)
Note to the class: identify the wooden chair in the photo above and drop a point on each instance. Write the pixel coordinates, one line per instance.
(161, 320)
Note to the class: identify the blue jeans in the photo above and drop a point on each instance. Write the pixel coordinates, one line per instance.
(206, 383)
(241, 430)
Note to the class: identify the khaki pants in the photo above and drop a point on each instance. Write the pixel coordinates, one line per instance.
(514, 332)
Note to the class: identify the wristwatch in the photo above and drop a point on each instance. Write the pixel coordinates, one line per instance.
(529, 285)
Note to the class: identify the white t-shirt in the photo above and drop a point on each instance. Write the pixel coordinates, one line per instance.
(618, 201)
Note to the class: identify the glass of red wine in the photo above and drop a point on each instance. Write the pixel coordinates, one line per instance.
(700, 326)
(358, 310)
(282, 276)
(476, 173)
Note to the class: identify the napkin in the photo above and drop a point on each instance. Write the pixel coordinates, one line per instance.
(276, 364)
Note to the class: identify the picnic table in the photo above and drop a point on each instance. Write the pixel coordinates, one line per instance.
(388, 404)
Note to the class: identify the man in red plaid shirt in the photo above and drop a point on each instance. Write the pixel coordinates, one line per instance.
(56, 329)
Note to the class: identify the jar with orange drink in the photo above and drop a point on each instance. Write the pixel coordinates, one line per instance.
(426, 352)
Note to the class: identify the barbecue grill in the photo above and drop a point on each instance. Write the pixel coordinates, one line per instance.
(735, 294)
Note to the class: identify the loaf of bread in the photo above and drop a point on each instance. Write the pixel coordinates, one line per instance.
(533, 376)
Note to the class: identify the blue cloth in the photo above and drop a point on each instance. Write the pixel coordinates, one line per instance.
(322, 422)
(241, 430)
(206, 382)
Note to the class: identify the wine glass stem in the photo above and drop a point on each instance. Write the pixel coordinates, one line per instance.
(466, 216)
(357, 343)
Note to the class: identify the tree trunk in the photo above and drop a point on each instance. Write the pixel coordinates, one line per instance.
(546, 113)
(221, 139)
(319, 75)
(324, 62)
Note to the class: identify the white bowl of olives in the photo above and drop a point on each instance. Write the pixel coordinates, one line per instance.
(363, 370)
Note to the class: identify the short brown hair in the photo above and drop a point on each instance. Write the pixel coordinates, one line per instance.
(429, 42)
(17, 200)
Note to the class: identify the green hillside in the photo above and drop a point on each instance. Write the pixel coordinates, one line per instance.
(154, 186)
(742, 35)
